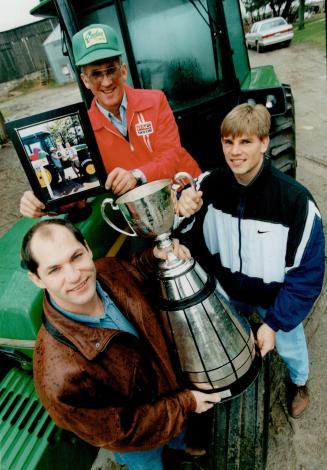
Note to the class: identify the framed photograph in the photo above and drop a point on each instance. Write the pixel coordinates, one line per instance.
(59, 154)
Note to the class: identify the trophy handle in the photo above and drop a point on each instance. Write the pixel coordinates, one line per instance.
(183, 175)
(110, 201)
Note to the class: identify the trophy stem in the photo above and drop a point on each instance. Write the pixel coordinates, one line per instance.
(164, 242)
(169, 266)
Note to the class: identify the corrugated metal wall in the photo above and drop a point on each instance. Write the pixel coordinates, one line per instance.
(60, 65)
(21, 50)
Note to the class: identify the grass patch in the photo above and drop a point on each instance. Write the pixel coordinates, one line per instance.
(25, 86)
(28, 86)
(313, 34)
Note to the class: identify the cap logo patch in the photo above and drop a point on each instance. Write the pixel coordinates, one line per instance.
(94, 36)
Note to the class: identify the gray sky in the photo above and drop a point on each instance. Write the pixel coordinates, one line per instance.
(15, 13)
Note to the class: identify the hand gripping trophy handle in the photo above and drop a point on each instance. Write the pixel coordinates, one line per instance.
(164, 242)
(183, 175)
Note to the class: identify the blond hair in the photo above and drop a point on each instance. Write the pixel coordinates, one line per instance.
(246, 119)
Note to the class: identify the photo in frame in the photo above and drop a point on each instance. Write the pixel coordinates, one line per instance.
(59, 155)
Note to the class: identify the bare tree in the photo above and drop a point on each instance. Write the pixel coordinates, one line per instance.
(3, 131)
(252, 6)
(301, 14)
(278, 7)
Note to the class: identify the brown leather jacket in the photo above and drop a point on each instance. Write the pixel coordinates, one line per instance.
(115, 391)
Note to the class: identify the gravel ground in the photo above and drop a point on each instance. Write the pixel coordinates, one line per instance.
(302, 444)
(293, 444)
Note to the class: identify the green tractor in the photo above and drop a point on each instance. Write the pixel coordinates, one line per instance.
(195, 51)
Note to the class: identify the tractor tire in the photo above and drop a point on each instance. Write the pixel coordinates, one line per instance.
(240, 428)
(282, 147)
(52, 175)
(88, 170)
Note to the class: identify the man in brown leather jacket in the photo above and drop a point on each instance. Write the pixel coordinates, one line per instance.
(101, 364)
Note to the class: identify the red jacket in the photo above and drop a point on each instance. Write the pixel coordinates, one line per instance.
(154, 145)
(114, 390)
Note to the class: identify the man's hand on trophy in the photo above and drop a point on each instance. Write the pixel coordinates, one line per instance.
(205, 401)
(180, 251)
(265, 339)
(189, 202)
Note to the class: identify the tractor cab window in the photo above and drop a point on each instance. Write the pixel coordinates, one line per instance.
(173, 48)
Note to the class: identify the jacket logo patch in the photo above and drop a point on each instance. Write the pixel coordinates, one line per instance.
(263, 231)
(144, 128)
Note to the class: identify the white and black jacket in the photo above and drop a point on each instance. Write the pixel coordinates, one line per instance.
(264, 242)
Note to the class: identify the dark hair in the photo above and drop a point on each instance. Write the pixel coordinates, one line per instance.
(27, 259)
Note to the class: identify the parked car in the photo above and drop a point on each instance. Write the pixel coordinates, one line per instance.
(269, 32)
(311, 10)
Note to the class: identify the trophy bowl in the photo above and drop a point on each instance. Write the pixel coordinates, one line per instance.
(148, 209)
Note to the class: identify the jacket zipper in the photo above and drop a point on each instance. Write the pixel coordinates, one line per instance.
(240, 211)
(118, 134)
(128, 130)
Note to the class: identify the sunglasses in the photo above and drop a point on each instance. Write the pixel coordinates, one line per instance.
(96, 76)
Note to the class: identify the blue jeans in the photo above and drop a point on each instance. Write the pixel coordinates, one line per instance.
(292, 348)
(290, 345)
(148, 459)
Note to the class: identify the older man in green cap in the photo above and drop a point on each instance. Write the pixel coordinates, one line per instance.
(135, 129)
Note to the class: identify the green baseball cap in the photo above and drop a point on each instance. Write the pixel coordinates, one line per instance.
(95, 42)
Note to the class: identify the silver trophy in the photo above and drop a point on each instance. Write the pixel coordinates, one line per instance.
(213, 343)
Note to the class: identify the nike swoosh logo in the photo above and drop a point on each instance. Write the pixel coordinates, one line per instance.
(259, 231)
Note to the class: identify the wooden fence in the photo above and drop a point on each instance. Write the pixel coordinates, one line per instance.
(21, 50)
